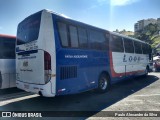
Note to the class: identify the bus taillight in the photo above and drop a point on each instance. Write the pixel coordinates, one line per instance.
(47, 61)
(47, 66)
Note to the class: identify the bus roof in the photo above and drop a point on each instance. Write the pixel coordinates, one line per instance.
(121, 35)
(72, 20)
(68, 18)
(7, 36)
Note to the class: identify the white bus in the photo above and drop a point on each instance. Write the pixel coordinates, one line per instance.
(7, 61)
(60, 56)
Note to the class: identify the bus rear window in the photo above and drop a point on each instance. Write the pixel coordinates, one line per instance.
(28, 30)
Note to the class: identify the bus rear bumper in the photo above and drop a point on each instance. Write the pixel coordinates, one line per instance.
(42, 90)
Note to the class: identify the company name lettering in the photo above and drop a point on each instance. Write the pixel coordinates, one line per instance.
(76, 56)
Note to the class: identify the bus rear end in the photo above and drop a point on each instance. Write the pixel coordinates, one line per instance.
(7, 61)
(35, 54)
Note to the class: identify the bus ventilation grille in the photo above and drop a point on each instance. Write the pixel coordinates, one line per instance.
(68, 72)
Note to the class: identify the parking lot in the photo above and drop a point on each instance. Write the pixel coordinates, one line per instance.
(139, 94)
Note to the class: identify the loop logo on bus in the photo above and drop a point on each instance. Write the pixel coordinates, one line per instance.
(131, 58)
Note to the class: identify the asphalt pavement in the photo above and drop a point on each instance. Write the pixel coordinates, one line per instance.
(138, 94)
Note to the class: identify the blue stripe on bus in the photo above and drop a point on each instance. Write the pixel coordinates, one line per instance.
(19, 50)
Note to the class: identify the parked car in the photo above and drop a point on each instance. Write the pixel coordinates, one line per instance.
(156, 63)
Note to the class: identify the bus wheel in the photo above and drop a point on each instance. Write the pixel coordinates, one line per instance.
(146, 71)
(103, 83)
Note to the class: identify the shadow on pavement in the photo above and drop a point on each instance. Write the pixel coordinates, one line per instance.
(9, 91)
(87, 101)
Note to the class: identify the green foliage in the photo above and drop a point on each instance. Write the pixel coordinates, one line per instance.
(150, 35)
(155, 41)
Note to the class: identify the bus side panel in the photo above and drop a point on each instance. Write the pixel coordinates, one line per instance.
(126, 65)
(78, 74)
(77, 70)
(7, 76)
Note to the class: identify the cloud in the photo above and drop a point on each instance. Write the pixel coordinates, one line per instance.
(116, 2)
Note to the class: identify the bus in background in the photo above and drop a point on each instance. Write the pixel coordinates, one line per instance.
(60, 56)
(7, 61)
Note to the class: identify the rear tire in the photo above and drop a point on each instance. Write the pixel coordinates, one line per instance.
(103, 83)
(146, 71)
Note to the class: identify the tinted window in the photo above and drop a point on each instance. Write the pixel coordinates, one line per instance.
(117, 44)
(7, 46)
(28, 30)
(107, 40)
(73, 36)
(62, 28)
(129, 48)
(149, 49)
(82, 34)
(146, 49)
(97, 40)
(138, 48)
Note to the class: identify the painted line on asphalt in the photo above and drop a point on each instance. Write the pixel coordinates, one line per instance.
(158, 94)
(14, 95)
(17, 98)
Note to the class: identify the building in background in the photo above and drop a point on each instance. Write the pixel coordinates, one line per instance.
(142, 23)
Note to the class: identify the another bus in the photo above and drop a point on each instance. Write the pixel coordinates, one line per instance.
(60, 56)
(7, 61)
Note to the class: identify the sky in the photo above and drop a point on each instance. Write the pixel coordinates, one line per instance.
(106, 14)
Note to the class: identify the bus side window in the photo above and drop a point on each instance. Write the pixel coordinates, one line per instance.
(138, 47)
(97, 40)
(82, 35)
(107, 41)
(9, 49)
(149, 49)
(146, 49)
(73, 36)
(128, 43)
(62, 29)
(117, 44)
(7, 46)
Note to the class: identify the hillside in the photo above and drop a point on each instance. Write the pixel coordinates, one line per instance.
(150, 34)
(156, 43)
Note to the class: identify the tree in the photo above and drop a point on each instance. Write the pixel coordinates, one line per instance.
(149, 34)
